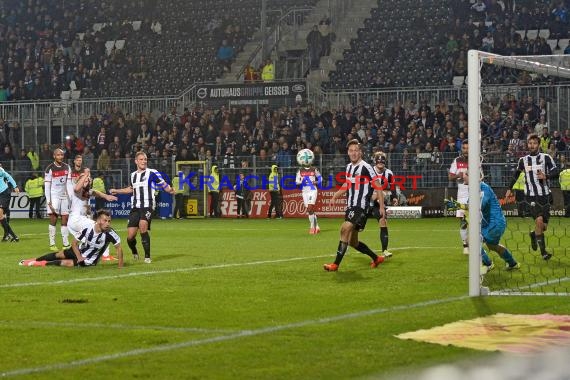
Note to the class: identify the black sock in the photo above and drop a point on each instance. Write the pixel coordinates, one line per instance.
(340, 251)
(47, 257)
(541, 244)
(54, 262)
(384, 237)
(367, 251)
(133, 246)
(6, 226)
(145, 240)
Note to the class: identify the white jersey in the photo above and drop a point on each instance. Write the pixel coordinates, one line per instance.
(55, 181)
(79, 205)
(308, 178)
(460, 165)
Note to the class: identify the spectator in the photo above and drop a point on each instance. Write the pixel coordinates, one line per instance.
(315, 47)
(88, 158)
(104, 161)
(226, 55)
(268, 71)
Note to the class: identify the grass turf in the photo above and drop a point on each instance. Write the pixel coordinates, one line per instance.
(249, 299)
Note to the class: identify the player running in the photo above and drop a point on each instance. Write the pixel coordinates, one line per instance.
(386, 178)
(6, 184)
(308, 178)
(143, 182)
(57, 199)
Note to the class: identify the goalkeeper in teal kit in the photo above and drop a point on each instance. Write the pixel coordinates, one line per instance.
(493, 224)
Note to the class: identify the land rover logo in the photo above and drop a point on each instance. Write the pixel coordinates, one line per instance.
(202, 92)
(298, 88)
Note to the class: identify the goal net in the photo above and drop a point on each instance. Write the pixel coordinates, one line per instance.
(489, 103)
(195, 193)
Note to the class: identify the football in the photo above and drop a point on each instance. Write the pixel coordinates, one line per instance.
(305, 157)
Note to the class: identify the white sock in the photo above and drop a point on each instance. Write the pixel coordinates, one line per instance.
(311, 218)
(463, 234)
(106, 253)
(65, 235)
(51, 234)
(316, 220)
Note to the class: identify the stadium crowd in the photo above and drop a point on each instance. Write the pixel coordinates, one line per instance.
(417, 138)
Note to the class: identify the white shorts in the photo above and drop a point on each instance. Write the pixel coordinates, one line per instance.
(310, 197)
(463, 201)
(61, 206)
(77, 223)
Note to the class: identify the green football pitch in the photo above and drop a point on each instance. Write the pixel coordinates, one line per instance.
(248, 299)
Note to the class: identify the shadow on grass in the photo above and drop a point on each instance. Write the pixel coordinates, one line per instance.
(350, 276)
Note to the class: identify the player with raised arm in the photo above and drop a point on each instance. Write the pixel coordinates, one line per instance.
(6, 180)
(458, 173)
(57, 199)
(386, 178)
(360, 184)
(80, 190)
(308, 178)
(143, 183)
(538, 168)
(87, 249)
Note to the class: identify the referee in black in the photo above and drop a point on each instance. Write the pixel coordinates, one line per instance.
(143, 183)
(538, 168)
(360, 187)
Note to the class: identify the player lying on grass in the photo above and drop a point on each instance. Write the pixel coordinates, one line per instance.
(493, 225)
(93, 241)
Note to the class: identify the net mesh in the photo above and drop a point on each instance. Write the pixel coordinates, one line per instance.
(195, 196)
(536, 275)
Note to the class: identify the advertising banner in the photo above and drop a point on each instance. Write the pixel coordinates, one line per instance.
(251, 93)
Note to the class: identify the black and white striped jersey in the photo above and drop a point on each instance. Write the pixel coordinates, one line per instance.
(93, 244)
(386, 182)
(531, 165)
(360, 177)
(144, 183)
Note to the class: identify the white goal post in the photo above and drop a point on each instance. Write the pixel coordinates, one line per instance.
(554, 65)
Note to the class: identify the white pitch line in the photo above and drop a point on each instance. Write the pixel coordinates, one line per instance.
(26, 324)
(179, 270)
(224, 338)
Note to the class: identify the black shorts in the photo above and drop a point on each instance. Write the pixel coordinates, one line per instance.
(375, 212)
(357, 216)
(70, 255)
(5, 198)
(138, 214)
(540, 206)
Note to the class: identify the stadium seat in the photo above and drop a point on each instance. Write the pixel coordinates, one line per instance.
(458, 80)
(75, 95)
(119, 44)
(65, 95)
(552, 44)
(544, 33)
(532, 34)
